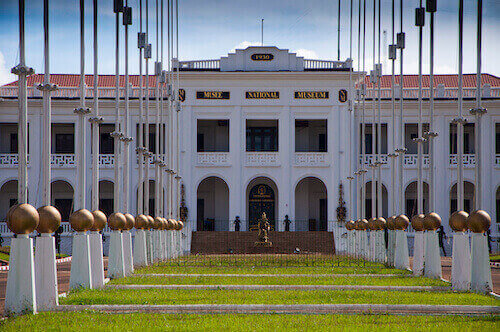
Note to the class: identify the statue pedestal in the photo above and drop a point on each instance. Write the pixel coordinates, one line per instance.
(45, 273)
(81, 273)
(263, 244)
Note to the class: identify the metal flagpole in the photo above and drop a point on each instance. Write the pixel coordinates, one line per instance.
(162, 126)
(349, 215)
(373, 80)
(359, 93)
(157, 122)
(147, 150)
(338, 32)
(117, 132)
(126, 138)
(47, 88)
(177, 109)
(378, 69)
(479, 111)
(81, 111)
(95, 120)
(401, 150)
(22, 71)
(141, 43)
(431, 134)
(460, 120)
(394, 155)
(419, 21)
(363, 146)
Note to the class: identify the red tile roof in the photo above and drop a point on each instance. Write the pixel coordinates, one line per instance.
(449, 80)
(410, 81)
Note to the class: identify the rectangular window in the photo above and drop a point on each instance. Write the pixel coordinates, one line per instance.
(106, 144)
(262, 139)
(65, 143)
(13, 143)
(200, 144)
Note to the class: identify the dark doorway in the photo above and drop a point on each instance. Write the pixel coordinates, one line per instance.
(64, 205)
(200, 215)
(260, 199)
(323, 214)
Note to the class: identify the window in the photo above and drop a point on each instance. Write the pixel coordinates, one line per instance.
(13, 143)
(65, 143)
(106, 144)
(262, 139)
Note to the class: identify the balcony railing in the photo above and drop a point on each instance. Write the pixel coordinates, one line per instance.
(106, 160)
(10, 160)
(311, 159)
(63, 160)
(213, 159)
(262, 159)
(370, 159)
(468, 160)
(411, 160)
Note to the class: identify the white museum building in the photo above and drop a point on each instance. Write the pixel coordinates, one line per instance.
(264, 130)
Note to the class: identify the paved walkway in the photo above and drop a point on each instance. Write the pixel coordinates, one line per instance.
(287, 287)
(291, 309)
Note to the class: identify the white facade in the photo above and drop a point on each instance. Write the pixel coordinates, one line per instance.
(309, 140)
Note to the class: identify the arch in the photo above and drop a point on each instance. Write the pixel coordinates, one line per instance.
(309, 175)
(264, 199)
(212, 204)
(62, 195)
(368, 200)
(106, 196)
(8, 197)
(468, 197)
(208, 175)
(411, 198)
(311, 205)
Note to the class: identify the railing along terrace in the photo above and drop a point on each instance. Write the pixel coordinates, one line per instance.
(326, 64)
(311, 159)
(468, 160)
(262, 159)
(200, 64)
(439, 93)
(212, 158)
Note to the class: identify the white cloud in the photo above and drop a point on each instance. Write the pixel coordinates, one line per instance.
(5, 75)
(307, 54)
(243, 45)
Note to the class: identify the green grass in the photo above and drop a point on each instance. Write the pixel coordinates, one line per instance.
(160, 268)
(4, 256)
(204, 296)
(92, 321)
(495, 258)
(372, 281)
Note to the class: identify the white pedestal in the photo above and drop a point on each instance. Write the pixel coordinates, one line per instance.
(481, 273)
(45, 273)
(372, 244)
(391, 247)
(460, 262)
(140, 249)
(419, 250)
(96, 259)
(401, 257)
(364, 244)
(432, 256)
(81, 275)
(351, 242)
(128, 259)
(149, 246)
(20, 296)
(116, 263)
(380, 247)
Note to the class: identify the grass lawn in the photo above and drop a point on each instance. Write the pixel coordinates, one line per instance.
(4, 256)
(203, 296)
(161, 268)
(378, 281)
(495, 258)
(92, 321)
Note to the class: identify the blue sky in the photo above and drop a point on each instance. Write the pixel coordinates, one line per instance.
(210, 29)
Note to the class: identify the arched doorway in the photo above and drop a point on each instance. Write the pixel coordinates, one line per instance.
(262, 196)
(106, 199)
(212, 205)
(368, 200)
(468, 197)
(311, 205)
(8, 197)
(61, 193)
(411, 199)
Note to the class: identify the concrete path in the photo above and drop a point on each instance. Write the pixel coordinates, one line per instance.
(287, 287)
(168, 275)
(291, 309)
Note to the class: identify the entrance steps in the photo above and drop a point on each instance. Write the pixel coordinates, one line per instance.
(222, 242)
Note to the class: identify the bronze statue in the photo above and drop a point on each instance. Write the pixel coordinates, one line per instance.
(264, 228)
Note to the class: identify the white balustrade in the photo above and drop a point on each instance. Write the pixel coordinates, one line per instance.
(63, 160)
(411, 160)
(106, 160)
(370, 159)
(213, 158)
(10, 160)
(468, 160)
(262, 159)
(311, 159)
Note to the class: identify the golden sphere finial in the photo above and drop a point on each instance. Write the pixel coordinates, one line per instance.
(432, 221)
(117, 221)
(81, 220)
(391, 223)
(479, 221)
(141, 221)
(402, 222)
(458, 221)
(50, 219)
(99, 221)
(417, 222)
(381, 223)
(130, 221)
(23, 219)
